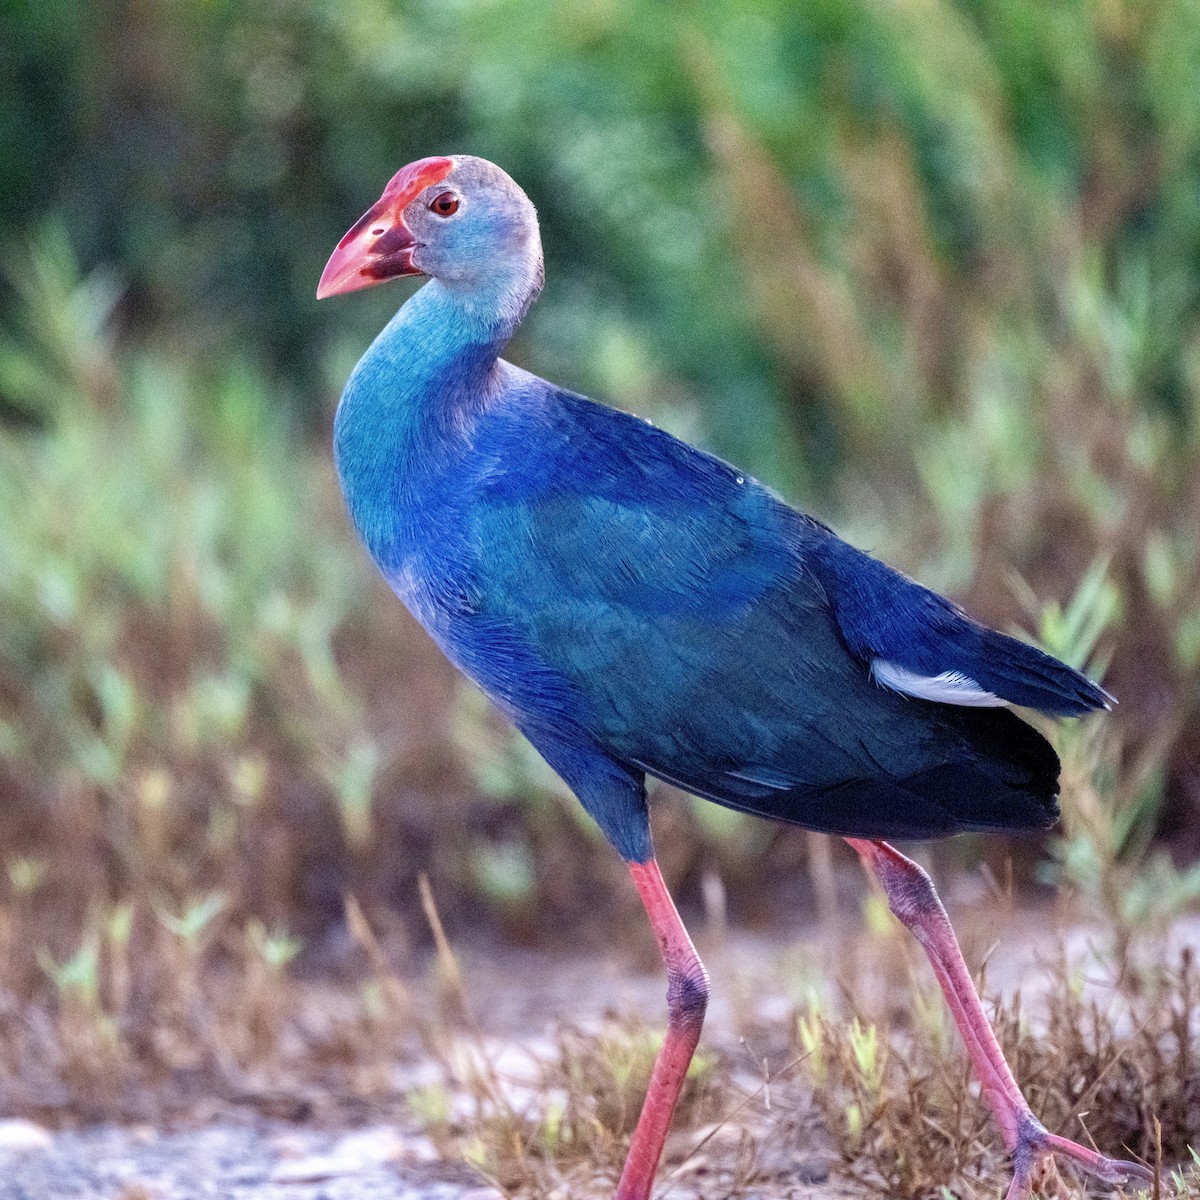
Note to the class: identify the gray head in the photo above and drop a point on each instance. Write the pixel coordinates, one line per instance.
(458, 219)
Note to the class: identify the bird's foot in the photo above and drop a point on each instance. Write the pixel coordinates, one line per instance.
(1037, 1149)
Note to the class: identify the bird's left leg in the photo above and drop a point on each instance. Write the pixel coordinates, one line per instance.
(687, 999)
(911, 897)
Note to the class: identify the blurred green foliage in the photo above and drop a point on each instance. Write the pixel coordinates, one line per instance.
(159, 603)
(812, 221)
(931, 268)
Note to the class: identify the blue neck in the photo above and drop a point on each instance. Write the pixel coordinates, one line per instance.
(413, 395)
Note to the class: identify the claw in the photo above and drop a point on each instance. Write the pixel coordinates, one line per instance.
(1035, 1146)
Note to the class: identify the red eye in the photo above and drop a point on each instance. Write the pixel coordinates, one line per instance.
(445, 205)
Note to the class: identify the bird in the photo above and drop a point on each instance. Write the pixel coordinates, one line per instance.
(641, 609)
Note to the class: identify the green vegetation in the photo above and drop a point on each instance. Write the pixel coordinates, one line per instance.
(931, 269)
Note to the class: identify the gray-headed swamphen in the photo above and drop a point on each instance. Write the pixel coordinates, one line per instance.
(637, 607)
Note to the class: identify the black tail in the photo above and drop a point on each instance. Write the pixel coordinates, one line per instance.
(997, 773)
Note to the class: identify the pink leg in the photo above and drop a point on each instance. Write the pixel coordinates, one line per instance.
(687, 998)
(911, 897)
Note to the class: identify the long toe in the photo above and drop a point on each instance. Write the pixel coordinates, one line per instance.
(1037, 1147)
(1111, 1170)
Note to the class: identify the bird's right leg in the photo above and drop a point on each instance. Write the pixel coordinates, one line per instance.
(911, 897)
(687, 999)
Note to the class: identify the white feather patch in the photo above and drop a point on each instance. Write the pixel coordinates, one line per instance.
(950, 687)
(764, 777)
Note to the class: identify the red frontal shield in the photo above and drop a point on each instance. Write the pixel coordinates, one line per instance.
(378, 246)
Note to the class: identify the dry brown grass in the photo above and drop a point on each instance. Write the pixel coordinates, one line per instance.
(1109, 1053)
(555, 1119)
(1110, 1061)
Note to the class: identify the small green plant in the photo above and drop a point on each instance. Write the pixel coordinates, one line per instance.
(274, 949)
(89, 1037)
(190, 924)
(78, 977)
